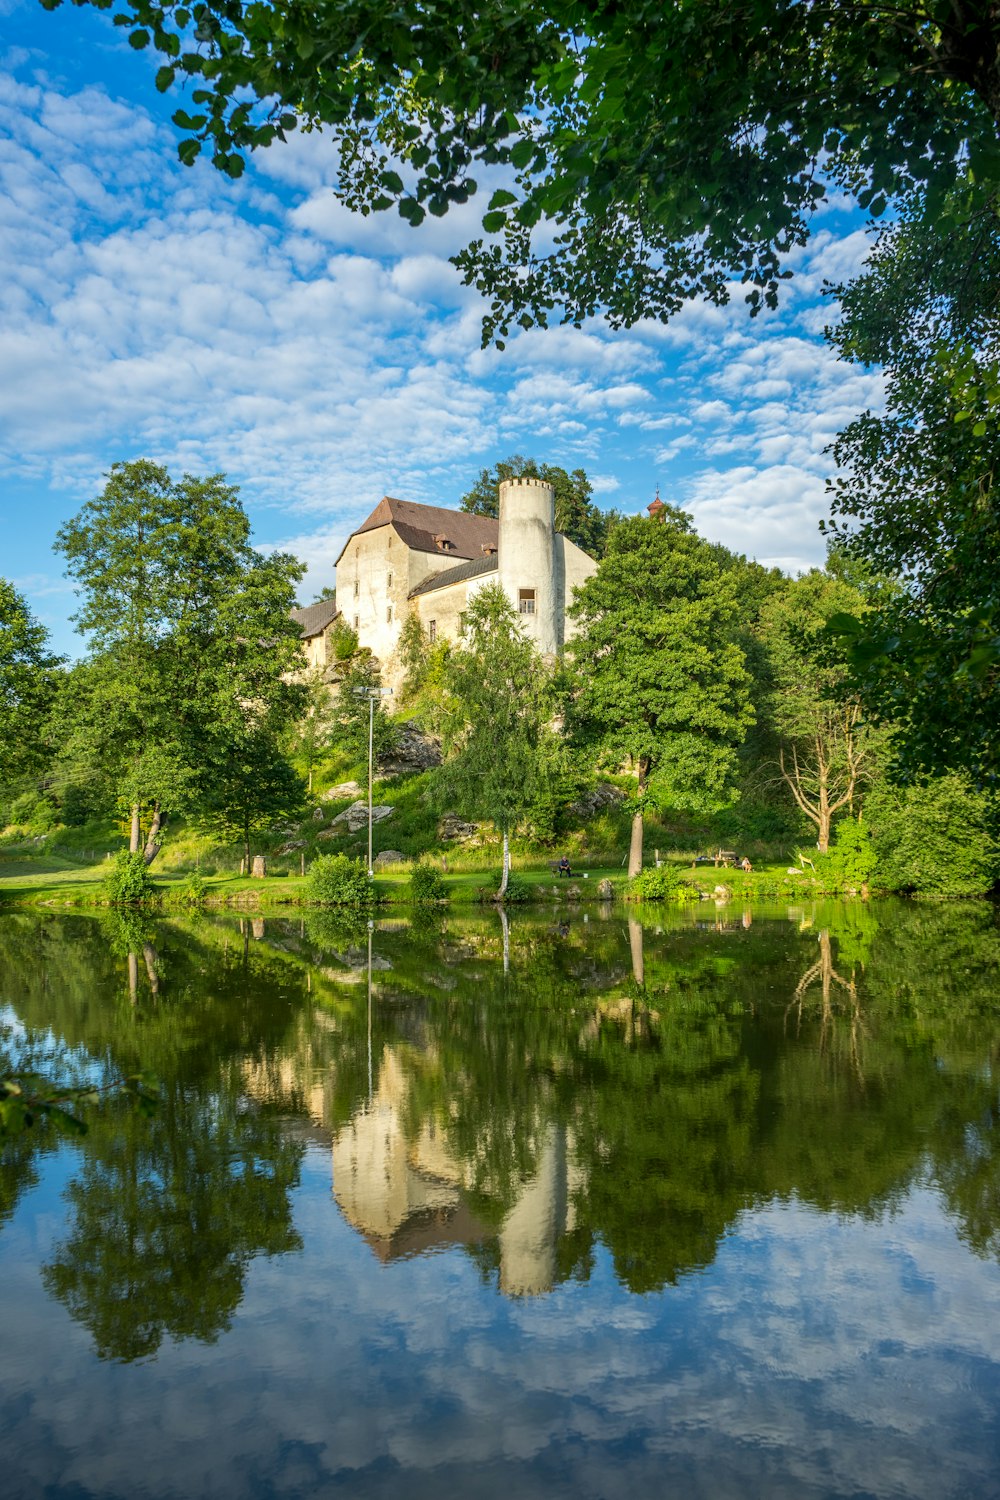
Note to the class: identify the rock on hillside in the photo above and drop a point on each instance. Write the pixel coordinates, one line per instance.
(414, 751)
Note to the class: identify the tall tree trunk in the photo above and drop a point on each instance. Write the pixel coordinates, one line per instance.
(133, 976)
(246, 845)
(635, 845)
(152, 848)
(135, 831)
(635, 944)
(505, 924)
(823, 840)
(505, 874)
(150, 956)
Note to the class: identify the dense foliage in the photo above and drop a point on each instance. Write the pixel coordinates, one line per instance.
(661, 152)
(660, 682)
(191, 646)
(336, 880)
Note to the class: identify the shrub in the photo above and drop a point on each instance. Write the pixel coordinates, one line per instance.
(336, 880)
(191, 893)
(658, 883)
(33, 812)
(427, 886)
(936, 839)
(518, 890)
(850, 862)
(128, 881)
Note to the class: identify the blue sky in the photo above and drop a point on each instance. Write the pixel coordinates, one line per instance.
(322, 360)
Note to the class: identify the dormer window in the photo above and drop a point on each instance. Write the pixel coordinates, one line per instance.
(488, 549)
(444, 543)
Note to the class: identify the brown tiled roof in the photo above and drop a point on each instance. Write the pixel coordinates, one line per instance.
(419, 526)
(471, 569)
(316, 617)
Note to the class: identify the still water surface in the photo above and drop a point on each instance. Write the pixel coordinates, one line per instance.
(593, 1207)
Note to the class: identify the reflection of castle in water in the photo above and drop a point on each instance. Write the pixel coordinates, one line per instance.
(406, 1195)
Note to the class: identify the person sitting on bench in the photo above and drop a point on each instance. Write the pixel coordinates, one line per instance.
(562, 868)
(745, 865)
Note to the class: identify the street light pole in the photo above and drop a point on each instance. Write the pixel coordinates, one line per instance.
(371, 693)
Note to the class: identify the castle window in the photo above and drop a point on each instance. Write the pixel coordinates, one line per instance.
(388, 580)
(526, 601)
(432, 631)
(357, 587)
(388, 615)
(357, 623)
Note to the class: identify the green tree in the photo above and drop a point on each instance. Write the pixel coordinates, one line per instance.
(495, 739)
(664, 151)
(27, 685)
(661, 683)
(824, 747)
(247, 784)
(351, 710)
(190, 635)
(915, 498)
(312, 734)
(938, 838)
(576, 514)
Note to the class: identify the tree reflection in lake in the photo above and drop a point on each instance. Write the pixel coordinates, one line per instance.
(530, 1092)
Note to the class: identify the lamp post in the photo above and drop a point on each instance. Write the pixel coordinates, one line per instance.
(371, 693)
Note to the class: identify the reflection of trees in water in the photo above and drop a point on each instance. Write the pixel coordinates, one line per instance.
(823, 974)
(166, 1214)
(663, 1080)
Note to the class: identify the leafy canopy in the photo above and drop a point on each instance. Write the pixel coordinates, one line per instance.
(664, 150)
(660, 680)
(27, 682)
(191, 635)
(916, 498)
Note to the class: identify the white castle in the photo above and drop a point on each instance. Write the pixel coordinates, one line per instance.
(427, 561)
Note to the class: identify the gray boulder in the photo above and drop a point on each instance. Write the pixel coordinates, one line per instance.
(414, 751)
(452, 826)
(341, 790)
(356, 816)
(388, 857)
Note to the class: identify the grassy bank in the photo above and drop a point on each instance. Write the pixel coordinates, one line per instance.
(49, 881)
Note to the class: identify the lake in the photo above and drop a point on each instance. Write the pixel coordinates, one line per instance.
(703, 1204)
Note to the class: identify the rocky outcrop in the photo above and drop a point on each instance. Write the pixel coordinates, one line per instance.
(356, 817)
(413, 751)
(388, 857)
(452, 827)
(595, 800)
(341, 790)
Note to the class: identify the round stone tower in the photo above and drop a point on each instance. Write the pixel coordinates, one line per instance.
(527, 559)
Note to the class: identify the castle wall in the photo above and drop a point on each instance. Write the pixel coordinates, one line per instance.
(576, 566)
(374, 577)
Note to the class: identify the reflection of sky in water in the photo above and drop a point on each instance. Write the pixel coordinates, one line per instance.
(816, 1356)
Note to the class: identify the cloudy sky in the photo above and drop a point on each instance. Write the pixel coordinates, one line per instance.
(322, 360)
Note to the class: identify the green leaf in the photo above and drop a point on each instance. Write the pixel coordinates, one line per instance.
(188, 151)
(522, 153)
(501, 198)
(494, 222)
(138, 39)
(164, 78)
(412, 211)
(392, 182)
